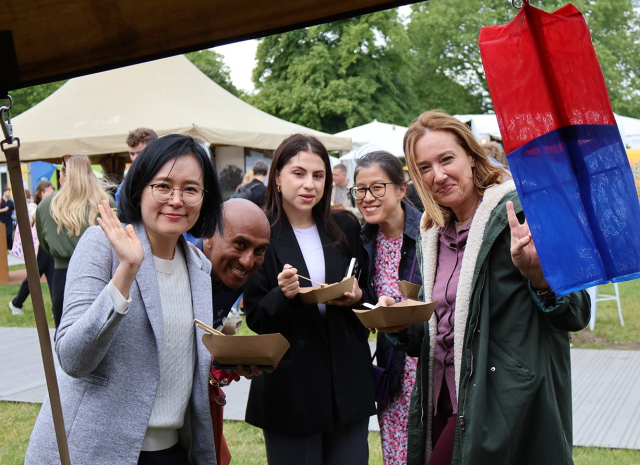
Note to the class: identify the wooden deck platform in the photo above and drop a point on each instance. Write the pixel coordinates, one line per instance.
(606, 389)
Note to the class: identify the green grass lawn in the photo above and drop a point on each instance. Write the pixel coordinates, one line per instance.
(7, 319)
(246, 442)
(608, 333)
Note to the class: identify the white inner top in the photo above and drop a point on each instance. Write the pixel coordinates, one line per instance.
(177, 353)
(311, 247)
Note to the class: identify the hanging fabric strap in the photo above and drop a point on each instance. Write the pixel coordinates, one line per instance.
(12, 155)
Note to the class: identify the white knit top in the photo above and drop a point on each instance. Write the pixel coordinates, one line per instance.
(177, 354)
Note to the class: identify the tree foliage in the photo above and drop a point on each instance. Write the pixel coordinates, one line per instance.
(211, 63)
(444, 34)
(344, 74)
(27, 97)
(338, 75)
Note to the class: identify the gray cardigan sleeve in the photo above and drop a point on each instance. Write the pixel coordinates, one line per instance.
(89, 320)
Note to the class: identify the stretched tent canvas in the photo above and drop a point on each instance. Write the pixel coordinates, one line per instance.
(564, 148)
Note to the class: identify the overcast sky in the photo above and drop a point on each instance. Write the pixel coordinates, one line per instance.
(240, 58)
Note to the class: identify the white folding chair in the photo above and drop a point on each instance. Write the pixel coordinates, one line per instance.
(597, 297)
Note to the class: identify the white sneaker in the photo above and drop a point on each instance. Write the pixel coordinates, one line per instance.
(15, 310)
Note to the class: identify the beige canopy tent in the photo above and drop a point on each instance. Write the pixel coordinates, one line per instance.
(93, 114)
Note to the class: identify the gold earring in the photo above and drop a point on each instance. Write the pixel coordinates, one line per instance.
(279, 188)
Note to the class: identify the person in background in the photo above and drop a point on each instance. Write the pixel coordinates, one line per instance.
(257, 186)
(45, 261)
(496, 152)
(31, 204)
(246, 179)
(315, 407)
(62, 218)
(494, 369)
(254, 189)
(389, 237)
(6, 212)
(137, 140)
(339, 194)
(133, 371)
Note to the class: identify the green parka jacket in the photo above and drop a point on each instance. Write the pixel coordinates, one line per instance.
(511, 349)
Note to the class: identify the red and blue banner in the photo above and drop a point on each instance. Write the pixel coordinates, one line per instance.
(563, 147)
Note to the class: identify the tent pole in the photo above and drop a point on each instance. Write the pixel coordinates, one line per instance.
(33, 275)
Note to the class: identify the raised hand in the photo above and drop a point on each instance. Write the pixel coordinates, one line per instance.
(288, 281)
(126, 245)
(124, 241)
(523, 250)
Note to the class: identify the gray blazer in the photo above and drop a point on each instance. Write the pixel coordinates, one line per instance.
(110, 362)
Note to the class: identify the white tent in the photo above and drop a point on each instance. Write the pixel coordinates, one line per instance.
(630, 130)
(93, 114)
(486, 126)
(369, 138)
(482, 126)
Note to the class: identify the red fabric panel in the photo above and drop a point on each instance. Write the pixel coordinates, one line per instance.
(543, 74)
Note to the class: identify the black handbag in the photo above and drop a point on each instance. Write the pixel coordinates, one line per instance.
(382, 378)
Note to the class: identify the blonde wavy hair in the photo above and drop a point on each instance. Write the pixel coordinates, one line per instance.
(76, 205)
(485, 174)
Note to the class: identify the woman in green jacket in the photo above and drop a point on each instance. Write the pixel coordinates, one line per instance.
(62, 218)
(494, 375)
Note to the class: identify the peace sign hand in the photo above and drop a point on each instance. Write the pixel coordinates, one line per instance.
(523, 250)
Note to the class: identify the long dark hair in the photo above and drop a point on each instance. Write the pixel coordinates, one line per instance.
(288, 149)
(151, 159)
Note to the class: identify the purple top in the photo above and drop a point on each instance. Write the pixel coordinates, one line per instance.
(451, 247)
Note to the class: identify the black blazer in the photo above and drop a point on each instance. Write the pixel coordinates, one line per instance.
(325, 378)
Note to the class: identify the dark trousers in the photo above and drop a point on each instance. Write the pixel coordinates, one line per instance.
(443, 431)
(45, 267)
(175, 455)
(9, 227)
(345, 444)
(57, 294)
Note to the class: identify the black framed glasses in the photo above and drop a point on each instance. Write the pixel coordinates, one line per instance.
(377, 190)
(163, 192)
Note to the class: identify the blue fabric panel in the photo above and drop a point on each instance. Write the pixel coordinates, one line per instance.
(579, 197)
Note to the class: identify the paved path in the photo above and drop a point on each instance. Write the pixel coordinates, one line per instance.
(606, 397)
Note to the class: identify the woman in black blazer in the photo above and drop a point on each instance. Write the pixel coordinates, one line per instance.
(314, 408)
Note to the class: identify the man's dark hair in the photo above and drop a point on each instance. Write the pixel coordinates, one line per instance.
(157, 153)
(145, 135)
(260, 168)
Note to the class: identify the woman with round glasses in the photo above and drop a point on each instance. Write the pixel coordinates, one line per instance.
(389, 237)
(315, 407)
(62, 218)
(133, 373)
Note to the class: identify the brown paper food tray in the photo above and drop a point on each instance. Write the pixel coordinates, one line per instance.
(261, 350)
(408, 290)
(402, 313)
(320, 295)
